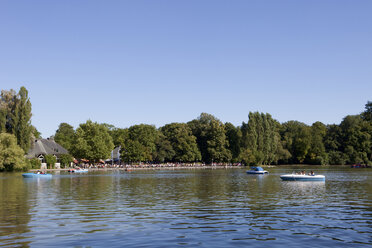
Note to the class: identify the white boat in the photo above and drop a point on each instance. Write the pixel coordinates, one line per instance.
(257, 170)
(81, 170)
(296, 177)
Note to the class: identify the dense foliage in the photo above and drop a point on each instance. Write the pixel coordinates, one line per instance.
(35, 163)
(182, 142)
(92, 142)
(65, 160)
(15, 117)
(65, 136)
(260, 140)
(50, 160)
(11, 155)
(211, 138)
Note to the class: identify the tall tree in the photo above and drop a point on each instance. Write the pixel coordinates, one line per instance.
(135, 152)
(15, 116)
(261, 140)
(120, 136)
(182, 141)
(92, 142)
(211, 138)
(234, 136)
(333, 145)
(3, 114)
(65, 136)
(23, 127)
(146, 135)
(356, 139)
(297, 139)
(7, 106)
(317, 152)
(164, 150)
(367, 114)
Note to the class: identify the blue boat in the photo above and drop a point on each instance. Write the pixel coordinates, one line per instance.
(295, 177)
(257, 170)
(36, 175)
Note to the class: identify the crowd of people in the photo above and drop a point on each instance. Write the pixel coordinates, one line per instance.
(311, 173)
(150, 165)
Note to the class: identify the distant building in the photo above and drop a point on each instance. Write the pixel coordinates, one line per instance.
(115, 155)
(42, 147)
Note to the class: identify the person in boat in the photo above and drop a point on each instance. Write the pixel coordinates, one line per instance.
(38, 172)
(312, 173)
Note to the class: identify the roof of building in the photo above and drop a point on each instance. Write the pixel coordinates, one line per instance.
(44, 147)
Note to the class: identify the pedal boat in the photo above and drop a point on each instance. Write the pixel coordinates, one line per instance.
(80, 170)
(77, 170)
(295, 177)
(36, 175)
(257, 170)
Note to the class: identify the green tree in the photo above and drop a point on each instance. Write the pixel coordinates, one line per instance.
(11, 155)
(164, 150)
(247, 157)
(367, 114)
(183, 142)
(50, 160)
(35, 133)
(297, 139)
(15, 116)
(146, 135)
(23, 128)
(135, 152)
(333, 138)
(119, 136)
(211, 138)
(317, 152)
(260, 136)
(92, 142)
(3, 116)
(234, 137)
(336, 158)
(35, 163)
(8, 108)
(65, 159)
(356, 136)
(65, 136)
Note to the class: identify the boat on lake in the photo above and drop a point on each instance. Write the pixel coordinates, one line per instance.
(256, 170)
(77, 170)
(299, 177)
(36, 175)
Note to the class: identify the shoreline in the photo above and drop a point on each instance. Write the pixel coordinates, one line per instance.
(178, 167)
(150, 168)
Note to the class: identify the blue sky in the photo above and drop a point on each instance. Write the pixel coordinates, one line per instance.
(157, 62)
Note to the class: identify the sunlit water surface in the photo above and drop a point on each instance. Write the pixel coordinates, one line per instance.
(188, 208)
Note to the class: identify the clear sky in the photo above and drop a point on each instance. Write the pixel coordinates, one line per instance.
(156, 61)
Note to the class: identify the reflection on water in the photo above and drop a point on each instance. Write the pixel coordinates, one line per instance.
(186, 208)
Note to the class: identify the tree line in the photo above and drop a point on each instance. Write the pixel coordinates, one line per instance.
(260, 140)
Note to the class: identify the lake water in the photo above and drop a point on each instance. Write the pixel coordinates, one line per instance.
(187, 208)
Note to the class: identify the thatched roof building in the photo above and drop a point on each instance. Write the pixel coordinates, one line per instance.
(42, 147)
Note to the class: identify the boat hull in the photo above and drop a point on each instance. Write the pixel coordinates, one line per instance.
(81, 171)
(293, 177)
(35, 175)
(257, 172)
